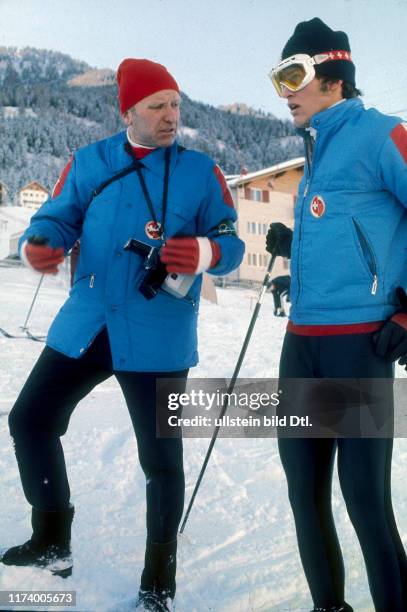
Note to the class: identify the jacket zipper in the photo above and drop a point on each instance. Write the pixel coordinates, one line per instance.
(368, 255)
(91, 279)
(188, 300)
(306, 188)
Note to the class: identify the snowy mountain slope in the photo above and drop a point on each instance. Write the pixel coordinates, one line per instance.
(239, 553)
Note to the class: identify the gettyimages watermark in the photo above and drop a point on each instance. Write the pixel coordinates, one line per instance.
(291, 408)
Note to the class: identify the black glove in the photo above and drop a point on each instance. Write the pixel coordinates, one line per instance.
(278, 240)
(391, 340)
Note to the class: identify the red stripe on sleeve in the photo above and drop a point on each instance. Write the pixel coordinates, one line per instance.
(59, 185)
(399, 137)
(227, 196)
(216, 253)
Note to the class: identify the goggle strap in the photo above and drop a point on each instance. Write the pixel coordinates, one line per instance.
(330, 56)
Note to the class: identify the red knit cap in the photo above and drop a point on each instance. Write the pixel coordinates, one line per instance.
(139, 78)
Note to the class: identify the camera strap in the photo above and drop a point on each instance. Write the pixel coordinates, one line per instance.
(130, 169)
(138, 166)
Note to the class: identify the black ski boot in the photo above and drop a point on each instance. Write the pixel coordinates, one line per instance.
(50, 544)
(344, 608)
(153, 601)
(157, 588)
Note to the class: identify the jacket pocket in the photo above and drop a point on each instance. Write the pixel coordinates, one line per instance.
(367, 253)
(84, 285)
(189, 301)
(180, 221)
(86, 277)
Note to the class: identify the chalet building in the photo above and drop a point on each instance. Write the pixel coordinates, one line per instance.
(13, 222)
(262, 198)
(4, 200)
(32, 195)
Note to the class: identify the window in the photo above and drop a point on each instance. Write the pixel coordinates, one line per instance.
(257, 259)
(256, 195)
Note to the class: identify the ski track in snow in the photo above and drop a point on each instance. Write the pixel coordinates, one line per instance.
(239, 551)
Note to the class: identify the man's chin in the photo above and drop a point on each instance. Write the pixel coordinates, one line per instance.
(164, 140)
(301, 122)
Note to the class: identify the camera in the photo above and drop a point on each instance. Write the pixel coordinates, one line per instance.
(155, 271)
(156, 276)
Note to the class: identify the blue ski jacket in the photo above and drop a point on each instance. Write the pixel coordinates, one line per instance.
(145, 335)
(349, 250)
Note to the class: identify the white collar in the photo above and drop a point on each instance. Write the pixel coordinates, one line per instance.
(337, 103)
(136, 144)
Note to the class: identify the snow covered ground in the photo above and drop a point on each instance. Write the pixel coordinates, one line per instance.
(239, 553)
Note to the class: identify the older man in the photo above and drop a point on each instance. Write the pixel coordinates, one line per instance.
(132, 311)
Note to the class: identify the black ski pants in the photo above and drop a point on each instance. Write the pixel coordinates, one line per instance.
(364, 468)
(41, 415)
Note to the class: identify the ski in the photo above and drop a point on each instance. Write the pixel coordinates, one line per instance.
(6, 334)
(27, 336)
(31, 336)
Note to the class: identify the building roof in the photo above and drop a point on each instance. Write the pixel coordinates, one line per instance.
(291, 164)
(34, 186)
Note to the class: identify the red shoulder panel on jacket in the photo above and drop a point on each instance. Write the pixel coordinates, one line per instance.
(227, 196)
(399, 137)
(59, 185)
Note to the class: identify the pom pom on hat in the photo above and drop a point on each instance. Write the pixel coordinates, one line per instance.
(139, 78)
(313, 37)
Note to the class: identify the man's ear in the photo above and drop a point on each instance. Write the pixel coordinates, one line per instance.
(335, 86)
(126, 117)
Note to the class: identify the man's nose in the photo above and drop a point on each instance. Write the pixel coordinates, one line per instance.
(285, 92)
(171, 114)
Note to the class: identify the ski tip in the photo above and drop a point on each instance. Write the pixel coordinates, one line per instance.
(63, 573)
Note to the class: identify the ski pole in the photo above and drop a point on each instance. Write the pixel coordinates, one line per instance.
(232, 383)
(24, 327)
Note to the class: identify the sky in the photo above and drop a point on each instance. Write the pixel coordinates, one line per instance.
(220, 51)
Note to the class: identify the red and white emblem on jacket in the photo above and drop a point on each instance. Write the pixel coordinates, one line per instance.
(153, 230)
(317, 207)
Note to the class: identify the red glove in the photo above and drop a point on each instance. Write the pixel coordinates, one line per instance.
(190, 255)
(42, 258)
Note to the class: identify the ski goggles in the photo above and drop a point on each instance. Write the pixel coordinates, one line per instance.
(297, 71)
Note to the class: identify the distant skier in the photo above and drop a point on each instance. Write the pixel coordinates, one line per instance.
(126, 315)
(348, 317)
(280, 288)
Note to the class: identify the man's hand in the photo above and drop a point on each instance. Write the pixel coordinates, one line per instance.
(41, 257)
(391, 340)
(192, 255)
(278, 240)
